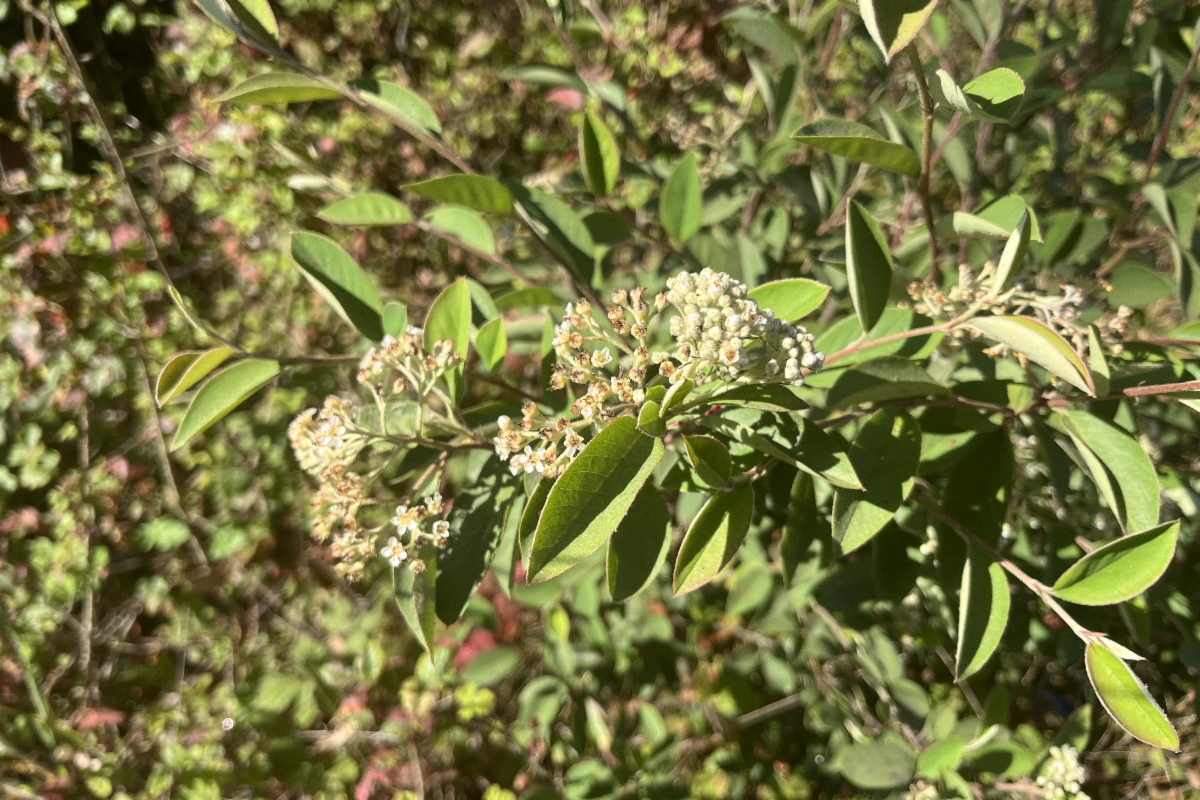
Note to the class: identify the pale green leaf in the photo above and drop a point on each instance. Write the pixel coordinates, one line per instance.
(368, 208)
(491, 342)
(1013, 255)
(1120, 569)
(278, 87)
(791, 298)
(1126, 700)
(877, 765)
(222, 393)
(395, 320)
(650, 420)
(465, 225)
(680, 205)
(857, 142)
(996, 94)
(591, 497)
(403, 105)
(449, 319)
(1040, 344)
(714, 537)
(185, 370)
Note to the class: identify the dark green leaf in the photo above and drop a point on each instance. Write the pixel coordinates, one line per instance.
(650, 421)
(340, 281)
(256, 17)
(1120, 569)
(222, 393)
(868, 265)
(1126, 700)
(885, 455)
(560, 229)
(639, 545)
(889, 378)
(476, 524)
(473, 191)
(983, 605)
(591, 497)
(767, 397)
(714, 537)
(529, 519)
(803, 526)
(598, 154)
(710, 459)
(857, 142)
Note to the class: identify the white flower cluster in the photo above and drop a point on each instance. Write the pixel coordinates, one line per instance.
(395, 366)
(409, 523)
(718, 325)
(629, 315)
(335, 508)
(325, 440)
(514, 443)
(1062, 776)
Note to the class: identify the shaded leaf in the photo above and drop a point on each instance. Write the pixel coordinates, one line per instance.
(1126, 700)
(888, 378)
(767, 397)
(340, 281)
(639, 545)
(710, 459)
(560, 229)
(713, 538)
(650, 421)
(476, 524)
(857, 142)
(868, 265)
(803, 526)
(1013, 256)
(598, 154)
(984, 601)
(591, 497)
(222, 393)
(881, 764)
(1135, 496)
(1120, 569)
(885, 455)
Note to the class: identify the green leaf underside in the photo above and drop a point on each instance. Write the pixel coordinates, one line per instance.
(340, 281)
(368, 208)
(868, 265)
(449, 318)
(529, 519)
(681, 204)
(713, 538)
(885, 455)
(982, 613)
(639, 545)
(893, 24)
(888, 378)
(791, 298)
(278, 87)
(468, 226)
(1013, 256)
(185, 370)
(856, 142)
(222, 393)
(1039, 344)
(1126, 699)
(591, 497)
(402, 105)
(1135, 499)
(491, 342)
(395, 319)
(710, 459)
(1005, 212)
(598, 154)
(1120, 569)
(473, 191)
(415, 593)
(877, 765)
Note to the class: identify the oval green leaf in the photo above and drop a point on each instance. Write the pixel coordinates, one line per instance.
(893, 24)
(857, 142)
(449, 318)
(491, 342)
(598, 155)
(529, 519)
(1040, 344)
(415, 593)
(996, 95)
(560, 229)
(868, 265)
(791, 298)
(710, 459)
(369, 208)
(1135, 499)
(473, 191)
(639, 545)
(591, 497)
(185, 370)
(984, 601)
(278, 87)
(650, 421)
(1126, 700)
(403, 105)
(467, 228)
(885, 455)
(395, 320)
(1120, 569)
(222, 393)
(340, 281)
(877, 765)
(713, 538)
(681, 205)
(257, 19)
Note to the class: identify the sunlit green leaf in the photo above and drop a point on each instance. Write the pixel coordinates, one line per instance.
(791, 298)
(1013, 256)
(1126, 700)
(680, 205)
(714, 537)
(1040, 344)
(222, 393)
(449, 318)
(1119, 569)
(278, 87)
(402, 105)
(1135, 496)
(857, 142)
(369, 208)
(415, 593)
(185, 370)
(340, 281)
(473, 191)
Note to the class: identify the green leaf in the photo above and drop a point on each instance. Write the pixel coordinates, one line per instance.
(868, 265)
(650, 421)
(714, 537)
(185, 370)
(766, 397)
(368, 208)
(888, 378)
(996, 94)
(560, 229)
(857, 142)
(403, 105)
(710, 459)
(1005, 212)
(969, 226)
(885, 455)
(598, 155)
(1013, 256)
(465, 225)
(1120, 569)
(395, 320)
(340, 281)
(1097, 363)
(257, 18)
(476, 524)
(1126, 700)
(415, 593)
(162, 534)
(793, 440)
(491, 666)
(1137, 285)
(449, 318)
(639, 545)
(681, 204)
(531, 297)
(491, 342)
(529, 519)
(1135, 497)
(222, 393)
(803, 526)
(591, 497)
(473, 191)
(540, 74)
(893, 24)
(278, 87)
(983, 605)
(1040, 344)
(944, 754)
(881, 764)
(790, 299)
(677, 394)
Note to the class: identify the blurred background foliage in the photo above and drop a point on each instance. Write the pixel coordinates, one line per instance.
(168, 629)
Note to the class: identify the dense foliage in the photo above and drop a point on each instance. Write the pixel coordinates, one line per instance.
(599, 399)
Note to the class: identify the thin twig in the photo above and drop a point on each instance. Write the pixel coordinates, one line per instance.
(927, 112)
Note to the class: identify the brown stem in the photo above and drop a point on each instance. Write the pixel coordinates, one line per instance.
(927, 113)
(1160, 141)
(1132, 391)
